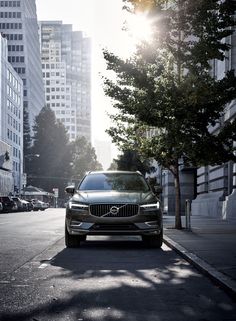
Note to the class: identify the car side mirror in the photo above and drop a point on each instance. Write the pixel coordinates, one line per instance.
(157, 189)
(70, 190)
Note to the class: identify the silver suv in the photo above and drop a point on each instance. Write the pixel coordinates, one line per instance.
(113, 203)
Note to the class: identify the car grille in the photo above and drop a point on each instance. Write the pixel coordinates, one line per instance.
(114, 210)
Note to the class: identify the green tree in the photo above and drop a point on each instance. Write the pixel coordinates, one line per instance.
(131, 161)
(52, 168)
(113, 166)
(84, 159)
(27, 141)
(168, 85)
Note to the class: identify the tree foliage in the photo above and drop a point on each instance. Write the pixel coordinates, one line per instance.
(27, 141)
(167, 84)
(113, 166)
(52, 168)
(54, 161)
(84, 158)
(131, 161)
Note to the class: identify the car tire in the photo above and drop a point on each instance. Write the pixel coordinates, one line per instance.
(71, 241)
(154, 241)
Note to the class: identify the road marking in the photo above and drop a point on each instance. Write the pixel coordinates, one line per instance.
(43, 266)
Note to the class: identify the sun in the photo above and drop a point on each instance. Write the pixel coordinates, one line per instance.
(139, 27)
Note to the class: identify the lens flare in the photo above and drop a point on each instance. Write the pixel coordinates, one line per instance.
(139, 27)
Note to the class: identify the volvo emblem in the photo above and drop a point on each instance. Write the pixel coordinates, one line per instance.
(114, 210)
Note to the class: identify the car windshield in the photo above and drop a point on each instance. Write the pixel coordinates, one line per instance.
(114, 182)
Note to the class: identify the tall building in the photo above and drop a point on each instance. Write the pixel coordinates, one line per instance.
(18, 23)
(11, 125)
(66, 64)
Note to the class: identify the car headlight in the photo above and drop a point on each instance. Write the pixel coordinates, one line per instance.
(150, 207)
(78, 206)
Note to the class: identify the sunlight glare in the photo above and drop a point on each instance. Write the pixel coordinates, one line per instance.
(139, 27)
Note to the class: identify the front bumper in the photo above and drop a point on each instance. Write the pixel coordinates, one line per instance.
(108, 229)
(140, 224)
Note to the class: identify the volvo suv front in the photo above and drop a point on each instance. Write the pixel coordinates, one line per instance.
(113, 203)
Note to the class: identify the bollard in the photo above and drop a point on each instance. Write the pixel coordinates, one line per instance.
(188, 214)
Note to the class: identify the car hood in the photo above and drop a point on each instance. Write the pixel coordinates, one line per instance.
(114, 197)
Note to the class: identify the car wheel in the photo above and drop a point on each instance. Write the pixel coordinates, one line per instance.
(153, 240)
(71, 240)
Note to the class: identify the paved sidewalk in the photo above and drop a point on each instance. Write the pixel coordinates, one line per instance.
(210, 246)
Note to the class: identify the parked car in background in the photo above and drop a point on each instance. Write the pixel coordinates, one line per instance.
(113, 203)
(8, 204)
(39, 205)
(30, 205)
(26, 205)
(21, 204)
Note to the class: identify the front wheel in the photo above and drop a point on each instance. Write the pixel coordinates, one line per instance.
(153, 240)
(71, 241)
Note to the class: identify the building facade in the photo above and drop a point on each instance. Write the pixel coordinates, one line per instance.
(6, 174)
(11, 123)
(216, 185)
(18, 23)
(66, 65)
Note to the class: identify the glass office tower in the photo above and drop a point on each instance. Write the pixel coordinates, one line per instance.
(18, 24)
(66, 64)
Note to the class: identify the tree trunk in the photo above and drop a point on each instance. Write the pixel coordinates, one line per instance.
(175, 172)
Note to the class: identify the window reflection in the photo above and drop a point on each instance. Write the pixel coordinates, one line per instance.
(115, 182)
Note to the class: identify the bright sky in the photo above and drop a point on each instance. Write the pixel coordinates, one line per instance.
(101, 20)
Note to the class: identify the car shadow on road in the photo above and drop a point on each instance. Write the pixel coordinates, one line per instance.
(112, 280)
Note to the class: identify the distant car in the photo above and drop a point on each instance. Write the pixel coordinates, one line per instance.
(21, 204)
(30, 205)
(1, 207)
(27, 205)
(39, 205)
(8, 204)
(113, 203)
(44, 205)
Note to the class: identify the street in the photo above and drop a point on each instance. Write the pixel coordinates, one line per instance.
(106, 279)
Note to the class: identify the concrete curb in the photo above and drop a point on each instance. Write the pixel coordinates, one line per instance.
(226, 283)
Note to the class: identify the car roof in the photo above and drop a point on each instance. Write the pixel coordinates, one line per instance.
(113, 172)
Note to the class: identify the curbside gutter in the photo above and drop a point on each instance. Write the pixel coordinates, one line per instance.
(226, 283)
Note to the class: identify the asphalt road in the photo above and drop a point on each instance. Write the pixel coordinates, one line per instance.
(106, 279)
